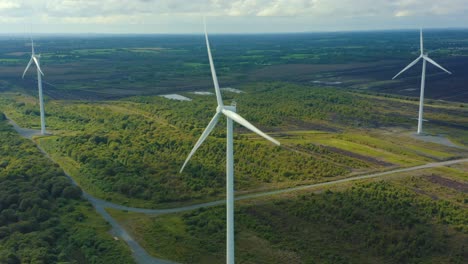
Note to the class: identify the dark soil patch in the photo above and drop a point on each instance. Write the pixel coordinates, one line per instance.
(459, 186)
(419, 191)
(449, 124)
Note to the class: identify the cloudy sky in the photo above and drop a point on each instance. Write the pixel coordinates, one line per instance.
(226, 16)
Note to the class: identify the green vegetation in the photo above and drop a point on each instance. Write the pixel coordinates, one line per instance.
(42, 217)
(123, 144)
(130, 151)
(412, 219)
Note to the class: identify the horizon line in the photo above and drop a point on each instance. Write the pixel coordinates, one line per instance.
(229, 33)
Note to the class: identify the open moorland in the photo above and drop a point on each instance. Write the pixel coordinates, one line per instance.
(328, 98)
(108, 66)
(130, 151)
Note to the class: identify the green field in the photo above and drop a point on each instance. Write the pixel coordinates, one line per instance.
(417, 217)
(130, 151)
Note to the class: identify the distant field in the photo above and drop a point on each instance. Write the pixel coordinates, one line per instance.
(115, 67)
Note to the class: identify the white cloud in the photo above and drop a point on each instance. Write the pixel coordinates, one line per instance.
(150, 12)
(402, 13)
(8, 5)
(287, 8)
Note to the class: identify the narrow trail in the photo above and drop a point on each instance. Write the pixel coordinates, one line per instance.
(267, 193)
(140, 254)
(24, 132)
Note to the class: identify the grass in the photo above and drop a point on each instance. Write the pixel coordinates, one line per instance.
(163, 225)
(267, 232)
(169, 234)
(401, 145)
(376, 151)
(298, 56)
(386, 145)
(152, 122)
(93, 51)
(9, 60)
(194, 65)
(457, 171)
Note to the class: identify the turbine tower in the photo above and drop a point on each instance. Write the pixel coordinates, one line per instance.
(230, 113)
(35, 58)
(425, 59)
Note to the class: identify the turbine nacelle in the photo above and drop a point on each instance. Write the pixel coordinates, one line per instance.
(422, 56)
(425, 58)
(34, 58)
(228, 111)
(227, 108)
(231, 115)
(221, 108)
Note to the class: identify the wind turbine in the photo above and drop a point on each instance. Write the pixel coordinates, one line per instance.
(425, 58)
(35, 58)
(230, 113)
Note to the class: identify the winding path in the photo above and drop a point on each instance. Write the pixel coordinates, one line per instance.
(267, 193)
(140, 254)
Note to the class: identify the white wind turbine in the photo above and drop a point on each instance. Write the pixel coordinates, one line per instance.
(230, 113)
(425, 58)
(35, 58)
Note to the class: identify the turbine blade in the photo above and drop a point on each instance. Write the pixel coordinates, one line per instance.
(436, 64)
(213, 70)
(202, 138)
(32, 46)
(407, 67)
(421, 41)
(239, 119)
(27, 67)
(37, 65)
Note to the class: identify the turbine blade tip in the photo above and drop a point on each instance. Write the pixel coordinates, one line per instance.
(183, 167)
